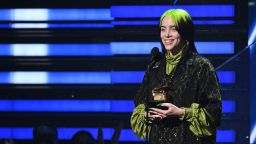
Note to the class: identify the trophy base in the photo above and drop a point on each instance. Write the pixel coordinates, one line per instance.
(155, 104)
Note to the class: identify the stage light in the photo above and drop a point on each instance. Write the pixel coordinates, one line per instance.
(29, 50)
(133, 47)
(223, 47)
(227, 77)
(40, 14)
(215, 47)
(29, 14)
(227, 136)
(252, 36)
(253, 135)
(228, 106)
(146, 11)
(114, 48)
(55, 50)
(114, 77)
(29, 25)
(114, 106)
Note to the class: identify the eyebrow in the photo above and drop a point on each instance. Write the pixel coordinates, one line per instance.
(167, 26)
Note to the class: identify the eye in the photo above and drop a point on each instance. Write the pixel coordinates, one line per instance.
(173, 29)
(162, 29)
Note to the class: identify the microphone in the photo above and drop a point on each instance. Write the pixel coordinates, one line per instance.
(155, 55)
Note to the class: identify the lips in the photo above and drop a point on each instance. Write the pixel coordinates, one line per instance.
(169, 41)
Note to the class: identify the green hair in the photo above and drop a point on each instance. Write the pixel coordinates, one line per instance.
(184, 25)
(178, 16)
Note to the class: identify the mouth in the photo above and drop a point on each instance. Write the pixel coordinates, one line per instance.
(168, 41)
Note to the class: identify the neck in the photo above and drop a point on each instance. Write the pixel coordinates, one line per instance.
(177, 49)
(174, 52)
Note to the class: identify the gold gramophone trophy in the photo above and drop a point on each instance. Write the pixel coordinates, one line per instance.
(158, 96)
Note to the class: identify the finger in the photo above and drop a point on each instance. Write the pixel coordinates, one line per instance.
(166, 104)
(152, 114)
(148, 117)
(147, 114)
(156, 117)
(158, 110)
(160, 114)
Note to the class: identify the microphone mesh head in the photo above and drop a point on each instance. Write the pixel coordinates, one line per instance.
(155, 54)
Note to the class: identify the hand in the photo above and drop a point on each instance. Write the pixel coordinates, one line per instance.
(153, 116)
(171, 110)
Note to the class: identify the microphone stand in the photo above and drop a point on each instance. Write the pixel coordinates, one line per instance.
(155, 56)
(147, 101)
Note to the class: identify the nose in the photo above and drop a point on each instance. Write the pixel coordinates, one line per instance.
(168, 33)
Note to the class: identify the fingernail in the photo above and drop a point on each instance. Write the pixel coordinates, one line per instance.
(159, 104)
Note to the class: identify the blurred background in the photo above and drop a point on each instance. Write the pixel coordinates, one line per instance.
(78, 64)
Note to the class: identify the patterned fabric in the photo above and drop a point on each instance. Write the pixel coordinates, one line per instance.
(198, 119)
(172, 61)
(192, 85)
(138, 122)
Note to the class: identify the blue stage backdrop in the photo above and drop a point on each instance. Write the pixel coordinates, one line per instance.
(252, 39)
(43, 53)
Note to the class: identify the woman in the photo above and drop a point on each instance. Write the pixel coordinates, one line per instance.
(192, 110)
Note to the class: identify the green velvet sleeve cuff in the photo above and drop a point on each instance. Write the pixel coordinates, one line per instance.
(138, 122)
(198, 119)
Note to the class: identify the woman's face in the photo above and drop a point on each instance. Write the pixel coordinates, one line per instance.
(170, 36)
